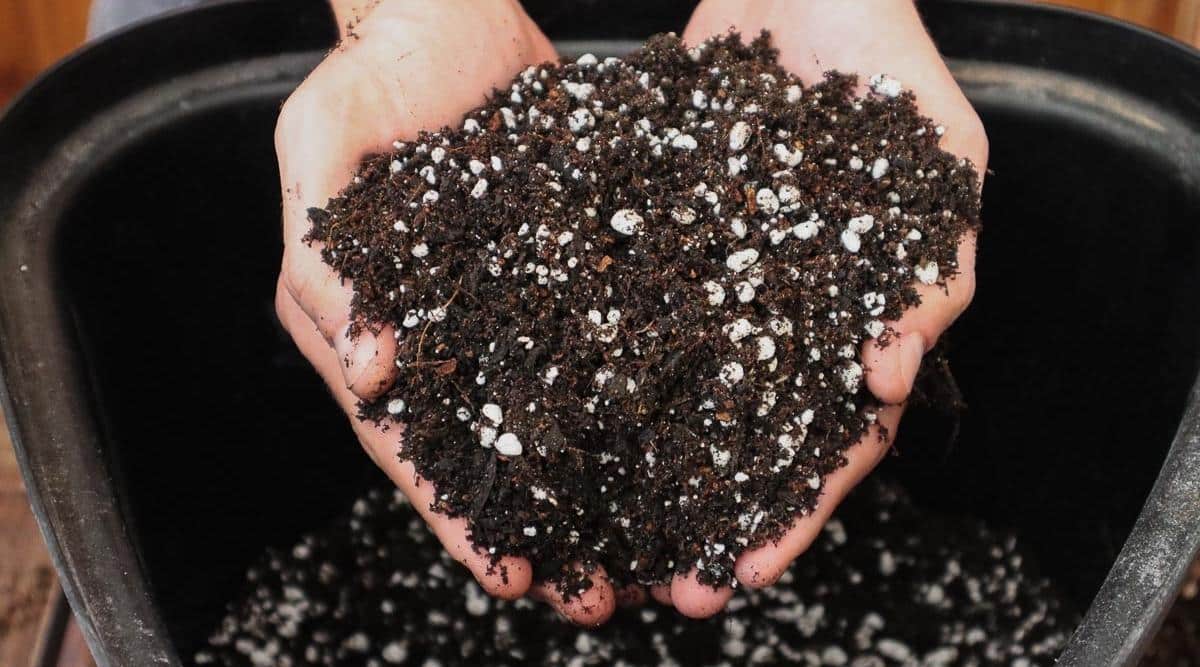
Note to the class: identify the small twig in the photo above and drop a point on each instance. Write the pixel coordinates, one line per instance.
(421, 342)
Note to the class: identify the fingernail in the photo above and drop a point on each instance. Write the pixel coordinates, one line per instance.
(912, 350)
(355, 354)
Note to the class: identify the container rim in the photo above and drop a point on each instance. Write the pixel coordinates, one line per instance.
(57, 435)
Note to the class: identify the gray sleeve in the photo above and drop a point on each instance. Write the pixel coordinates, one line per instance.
(109, 15)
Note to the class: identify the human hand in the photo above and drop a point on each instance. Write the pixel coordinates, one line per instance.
(401, 67)
(882, 36)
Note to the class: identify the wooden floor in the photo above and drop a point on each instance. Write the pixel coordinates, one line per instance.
(27, 583)
(35, 33)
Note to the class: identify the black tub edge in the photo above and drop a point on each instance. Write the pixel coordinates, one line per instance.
(119, 621)
(1153, 561)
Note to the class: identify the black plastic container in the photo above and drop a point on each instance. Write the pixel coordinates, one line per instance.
(168, 431)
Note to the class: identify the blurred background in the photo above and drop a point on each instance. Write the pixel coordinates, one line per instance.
(35, 626)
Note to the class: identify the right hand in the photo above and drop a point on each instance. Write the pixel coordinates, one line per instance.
(401, 67)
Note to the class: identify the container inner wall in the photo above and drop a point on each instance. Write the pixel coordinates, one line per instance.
(1076, 357)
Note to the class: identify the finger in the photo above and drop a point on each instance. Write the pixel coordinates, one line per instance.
(367, 360)
(764, 565)
(304, 143)
(940, 306)
(510, 577)
(590, 608)
(695, 599)
(661, 594)
(892, 369)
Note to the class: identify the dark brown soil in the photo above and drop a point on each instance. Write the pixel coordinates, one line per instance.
(885, 584)
(630, 297)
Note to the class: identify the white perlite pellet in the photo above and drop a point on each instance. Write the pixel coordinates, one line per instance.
(487, 436)
(788, 194)
(395, 653)
(739, 135)
(509, 445)
(787, 156)
(745, 291)
(767, 201)
(852, 374)
(834, 656)
(716, 293)
(927, 273)
(580, 91)
(766, 348)
(395, 406)
(741, 260)
(879, 168)
(480, 189)
(580, 120)
(885, 85)
(851, 240)
(626, 221)
(357, 642)
(861, 224)
(806, 230)
(738, 227)
(684, 142)
(890, 648)
(731, 374)
(684, 215)
(738, 329)
(494, 413)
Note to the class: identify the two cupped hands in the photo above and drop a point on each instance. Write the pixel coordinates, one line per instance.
(403, 67)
